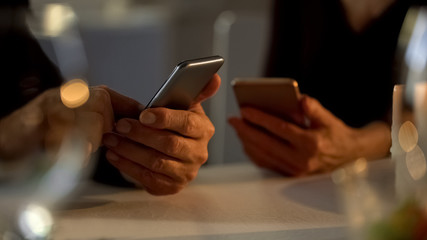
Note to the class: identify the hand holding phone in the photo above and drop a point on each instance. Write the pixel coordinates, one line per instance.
(276, 96)
(186, 82)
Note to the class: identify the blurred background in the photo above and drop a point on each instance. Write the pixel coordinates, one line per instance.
(133, 45)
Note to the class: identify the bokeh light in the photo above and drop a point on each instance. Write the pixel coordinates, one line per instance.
(56, 19)
(74, 93)
(360, 166)
(416, 163)
(408, 136)
(35, 222)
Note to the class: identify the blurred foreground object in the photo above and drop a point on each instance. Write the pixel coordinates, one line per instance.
(409, 130)
(34, 180)
(387, 200)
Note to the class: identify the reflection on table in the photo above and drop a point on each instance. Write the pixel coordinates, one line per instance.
(236, 201)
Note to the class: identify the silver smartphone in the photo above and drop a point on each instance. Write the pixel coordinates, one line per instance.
(185, 83)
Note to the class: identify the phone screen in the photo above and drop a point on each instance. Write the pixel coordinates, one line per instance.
(276, 96)
(185, 83)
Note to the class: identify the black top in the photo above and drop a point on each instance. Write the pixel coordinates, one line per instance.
(14, 3)
(26, 72)
(350, 73)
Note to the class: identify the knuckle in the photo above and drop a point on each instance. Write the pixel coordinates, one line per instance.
(190, 176)
(175, 145)
(190, 123)
(199, 157)
(145, 176)
(210, 131)
(202, 157)
(157, 164)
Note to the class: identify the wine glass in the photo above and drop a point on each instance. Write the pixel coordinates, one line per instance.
(32, 186)
(390, 201)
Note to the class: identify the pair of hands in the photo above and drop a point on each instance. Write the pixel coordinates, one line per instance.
(161, 149)
(326, 144)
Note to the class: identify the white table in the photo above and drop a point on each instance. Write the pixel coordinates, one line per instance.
(237, 201)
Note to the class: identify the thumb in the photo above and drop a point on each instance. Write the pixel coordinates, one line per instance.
(315, 112)
(210, 89)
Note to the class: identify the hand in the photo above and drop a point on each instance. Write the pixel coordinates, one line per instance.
(285, 147)
(165, 148)
(45, 121)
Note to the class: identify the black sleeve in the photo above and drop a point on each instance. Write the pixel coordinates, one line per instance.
(25, 70)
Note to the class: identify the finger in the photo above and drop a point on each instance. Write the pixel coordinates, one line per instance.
(279, 152)
(124, 106)
(265, 160)
(169, 143)
(276, 126)
(318, 115)
(154, 183)
(150, 158)
(186, 123)
(210, 89)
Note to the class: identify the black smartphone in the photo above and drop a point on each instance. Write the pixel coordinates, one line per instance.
(276, 96)
(185, 83)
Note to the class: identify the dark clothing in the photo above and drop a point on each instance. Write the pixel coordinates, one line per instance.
(26, 72)
(350, 73)
(9, 3)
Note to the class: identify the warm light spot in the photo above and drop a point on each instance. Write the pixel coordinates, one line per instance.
(416, 163)
(56, 19)
(74, 93)
(339, 176)
(408, 136)
(360, 165)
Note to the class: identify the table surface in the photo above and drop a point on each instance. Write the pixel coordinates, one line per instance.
(232, 201)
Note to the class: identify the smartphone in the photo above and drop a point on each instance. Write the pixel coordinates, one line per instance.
(185, 83)
(276, 96)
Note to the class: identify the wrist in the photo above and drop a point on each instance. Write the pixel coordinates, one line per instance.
(373, 141)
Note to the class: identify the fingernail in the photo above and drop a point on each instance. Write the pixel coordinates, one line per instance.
(111, 141)
(147, 118)
(123, 126)
(141, 107)
(111, 156)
